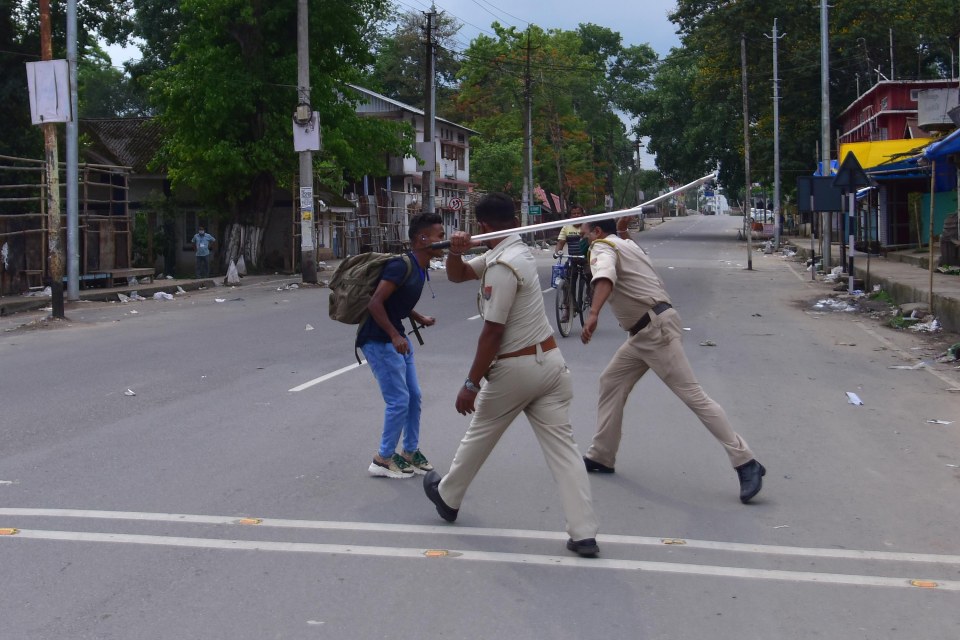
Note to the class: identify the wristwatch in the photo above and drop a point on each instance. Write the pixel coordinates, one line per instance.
(469, 386)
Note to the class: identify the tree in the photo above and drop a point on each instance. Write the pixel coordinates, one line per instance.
(105, 91)
(400, 70)
(230, 142)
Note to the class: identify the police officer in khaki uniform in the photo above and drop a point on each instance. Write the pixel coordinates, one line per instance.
(624, 275)
(524, 371)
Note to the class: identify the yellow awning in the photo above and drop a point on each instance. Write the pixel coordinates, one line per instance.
(871, 154)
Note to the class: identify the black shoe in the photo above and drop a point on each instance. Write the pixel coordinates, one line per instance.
(431, 487)
(595, 467)
(751, 479)
(587, 547)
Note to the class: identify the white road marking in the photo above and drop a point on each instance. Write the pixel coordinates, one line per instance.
(486, 556)
(331, 525)
(334, 374)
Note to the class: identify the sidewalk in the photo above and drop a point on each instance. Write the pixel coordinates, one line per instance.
(904, 275)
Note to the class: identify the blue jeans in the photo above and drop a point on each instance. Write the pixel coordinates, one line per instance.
(397, 377)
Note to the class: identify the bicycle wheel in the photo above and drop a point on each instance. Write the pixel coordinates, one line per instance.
(583, 298)
(564, 304)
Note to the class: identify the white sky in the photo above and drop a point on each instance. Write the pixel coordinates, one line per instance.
(638, 22)
(643, 22)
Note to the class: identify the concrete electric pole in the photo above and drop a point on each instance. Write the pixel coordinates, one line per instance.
(825, 126)
(308, 263)
(748, 227)
(428, 179)
(776, 139)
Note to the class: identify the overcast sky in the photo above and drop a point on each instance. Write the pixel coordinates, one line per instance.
(638, 22)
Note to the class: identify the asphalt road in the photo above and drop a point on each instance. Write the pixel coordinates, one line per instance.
(228, 498)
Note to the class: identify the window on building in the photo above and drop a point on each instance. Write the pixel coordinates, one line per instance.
(884, 101)
(914, 95)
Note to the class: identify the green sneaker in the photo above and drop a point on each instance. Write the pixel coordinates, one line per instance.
(391, 470)
(419, 462)
(403, 464)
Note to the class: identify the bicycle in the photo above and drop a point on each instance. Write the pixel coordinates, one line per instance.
(573, 296)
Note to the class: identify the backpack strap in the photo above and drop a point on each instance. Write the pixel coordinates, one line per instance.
(407, 261)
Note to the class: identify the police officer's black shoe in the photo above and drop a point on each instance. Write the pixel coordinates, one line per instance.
(586, 547)
(595, 467)
(751, 479)
(431, 487)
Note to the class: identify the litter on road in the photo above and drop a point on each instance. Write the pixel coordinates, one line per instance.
(853, 398)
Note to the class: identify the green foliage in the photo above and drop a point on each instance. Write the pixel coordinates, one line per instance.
(400, 68)
(924, 34)
(497, 165)
(231, 141)
(578, 79)
(881, 296)
(105, 91)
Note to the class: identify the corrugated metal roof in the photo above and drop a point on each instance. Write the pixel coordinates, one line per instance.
(126, 142)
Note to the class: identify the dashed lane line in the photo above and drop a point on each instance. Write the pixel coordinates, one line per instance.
(324, 378)
(488, 556)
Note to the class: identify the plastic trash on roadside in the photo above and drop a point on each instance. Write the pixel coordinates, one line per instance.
(232, 276)
(123, 298)
(129, 392)
(132, 281)
(162, 295)
(180, 290)
(853, 398)
(135, 295)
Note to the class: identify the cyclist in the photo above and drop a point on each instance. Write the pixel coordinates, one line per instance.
(576, 245)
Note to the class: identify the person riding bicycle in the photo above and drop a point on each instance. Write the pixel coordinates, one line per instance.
(576, 245)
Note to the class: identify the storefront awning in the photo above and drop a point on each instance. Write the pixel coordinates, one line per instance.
(942, 148)
(872, 154)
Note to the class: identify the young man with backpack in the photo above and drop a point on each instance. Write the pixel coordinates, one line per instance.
(389, 352)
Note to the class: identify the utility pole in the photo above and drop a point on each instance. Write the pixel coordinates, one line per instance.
(308, 264)
(776, 139)
(825, 126)
(73, 226)
(52, 169)
(748, 227)
(428, 180)
(526, 198)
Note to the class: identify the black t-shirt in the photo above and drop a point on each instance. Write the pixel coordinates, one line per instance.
(400, 303)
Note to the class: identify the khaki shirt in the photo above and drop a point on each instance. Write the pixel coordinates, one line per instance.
(636, 285)
(510, 294)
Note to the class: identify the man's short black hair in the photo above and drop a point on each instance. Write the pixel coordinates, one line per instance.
(421, 221)
(607, 225)
(496, 209)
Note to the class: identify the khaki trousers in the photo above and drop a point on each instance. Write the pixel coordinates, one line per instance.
(658, 346)
(539, 386)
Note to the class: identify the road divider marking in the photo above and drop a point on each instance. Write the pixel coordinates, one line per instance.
(449, 555)
(378, 527)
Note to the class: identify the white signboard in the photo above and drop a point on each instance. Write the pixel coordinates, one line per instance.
(48, 82)
(307, 137)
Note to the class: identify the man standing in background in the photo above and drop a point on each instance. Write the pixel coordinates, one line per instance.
(203, 244)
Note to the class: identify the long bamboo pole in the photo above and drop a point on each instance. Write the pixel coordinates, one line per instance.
(555, 224)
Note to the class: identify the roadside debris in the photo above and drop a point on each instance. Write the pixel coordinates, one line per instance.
(129, 392)
(853, 398)
(135, 295)
(43, 293)
(123, 298)
(287, 287)
(952, 354)
(161, 295)
(180, 290)
(909, 367)
(939, 421)
(708, 343)
(309, 327)
(834, 304)
(220, 299)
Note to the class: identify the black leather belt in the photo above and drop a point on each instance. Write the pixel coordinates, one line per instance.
(657, 309)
